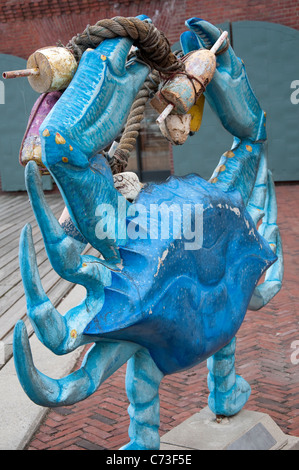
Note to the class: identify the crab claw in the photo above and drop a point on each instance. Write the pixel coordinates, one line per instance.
(229, 93)
(90, 115)
(93, 109)
(264, 292)
(101, 361)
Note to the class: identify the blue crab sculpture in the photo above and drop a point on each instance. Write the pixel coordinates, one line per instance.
(161, 304)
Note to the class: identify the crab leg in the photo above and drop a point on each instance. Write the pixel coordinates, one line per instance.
(101, 361)
(61, 334)
(64, 252)
(49, 325)
(256, 203)
(228, 392)
(270, 231)
(142, 384)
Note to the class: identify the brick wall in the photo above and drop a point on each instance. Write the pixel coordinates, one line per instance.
(285, 12)
(27, 25)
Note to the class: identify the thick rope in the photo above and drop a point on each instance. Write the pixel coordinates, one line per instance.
(153, 49)
(153, 46)
(127, 142)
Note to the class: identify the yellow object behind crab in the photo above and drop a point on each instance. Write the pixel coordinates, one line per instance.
(196, 114)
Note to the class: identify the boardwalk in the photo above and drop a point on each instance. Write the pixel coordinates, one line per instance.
(15, 212)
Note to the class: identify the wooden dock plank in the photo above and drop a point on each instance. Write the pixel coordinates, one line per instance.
(15, 212)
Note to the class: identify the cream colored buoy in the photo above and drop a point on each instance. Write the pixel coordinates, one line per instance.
(56, 66)
(128, 184)
(48, 69)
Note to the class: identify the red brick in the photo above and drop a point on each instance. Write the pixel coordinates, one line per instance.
(43, 24)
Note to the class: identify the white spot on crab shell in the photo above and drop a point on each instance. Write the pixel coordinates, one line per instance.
(252, 232)
(236, 211)
(233, 209)
(160, 262)
(120, 265)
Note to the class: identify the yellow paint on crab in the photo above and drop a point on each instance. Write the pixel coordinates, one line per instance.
(103, 57)
(214, 180)
(74, 334)
(221, 168)
(46, 133)
(249, 148)
(229, 154)
(196, 114)
(59, 139)
(37, 152)
(71, 148)
(65, 159)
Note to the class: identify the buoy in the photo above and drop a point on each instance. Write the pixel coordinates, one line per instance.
(179, 94)
(176, 128)
(196, 113)
(31, 144)
(48, 69)
(128, 184)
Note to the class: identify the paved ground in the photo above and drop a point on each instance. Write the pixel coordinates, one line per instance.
(264, 349)
(15, 213)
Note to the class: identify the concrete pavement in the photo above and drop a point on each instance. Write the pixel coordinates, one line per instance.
(20, 417)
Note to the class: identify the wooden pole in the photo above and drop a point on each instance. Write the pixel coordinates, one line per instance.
(21, 73)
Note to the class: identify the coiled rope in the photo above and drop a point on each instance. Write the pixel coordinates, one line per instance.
(153, 49)
(128, 139)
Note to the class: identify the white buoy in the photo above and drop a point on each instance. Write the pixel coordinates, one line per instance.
(48, 69)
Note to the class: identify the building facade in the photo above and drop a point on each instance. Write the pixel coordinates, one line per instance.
(27, 25)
